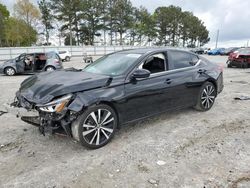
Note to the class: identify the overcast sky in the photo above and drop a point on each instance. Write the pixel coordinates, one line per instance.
(231, 17)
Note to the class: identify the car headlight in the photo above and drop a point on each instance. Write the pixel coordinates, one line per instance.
(57, 105)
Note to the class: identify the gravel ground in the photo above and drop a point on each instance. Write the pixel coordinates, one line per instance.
(180, 149)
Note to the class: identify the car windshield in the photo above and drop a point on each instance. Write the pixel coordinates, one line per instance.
(113, 64)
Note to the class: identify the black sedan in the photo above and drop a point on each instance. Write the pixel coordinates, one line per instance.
(119, 88)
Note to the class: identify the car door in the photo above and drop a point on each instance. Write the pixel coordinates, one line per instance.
(145, 97)
(185, 78)
(20, 64)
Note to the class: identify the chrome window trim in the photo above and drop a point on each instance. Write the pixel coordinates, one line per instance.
(175, 70)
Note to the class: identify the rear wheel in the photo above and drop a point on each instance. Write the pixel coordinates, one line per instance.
(96, 126)
(9, 71)
(206, 97)
(50, 68)
(67, 58)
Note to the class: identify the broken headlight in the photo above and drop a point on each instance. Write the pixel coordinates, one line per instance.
(57, 105)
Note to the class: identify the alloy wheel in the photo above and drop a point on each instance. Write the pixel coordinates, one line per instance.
(208, 96)
(98, 127)
(50, 69)
(10, 71)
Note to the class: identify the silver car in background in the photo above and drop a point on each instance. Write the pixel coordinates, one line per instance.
(31, 63)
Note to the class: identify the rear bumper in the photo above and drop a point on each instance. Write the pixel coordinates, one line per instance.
(59, 67)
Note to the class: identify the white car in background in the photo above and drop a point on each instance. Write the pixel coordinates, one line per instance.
(64, 55)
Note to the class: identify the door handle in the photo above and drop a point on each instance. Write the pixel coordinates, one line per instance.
(201, 71)
(168, 81)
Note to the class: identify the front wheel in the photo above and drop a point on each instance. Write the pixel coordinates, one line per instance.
(96, 126)
(206, 97)
(50, 68)
(229, 64)
(9, 71)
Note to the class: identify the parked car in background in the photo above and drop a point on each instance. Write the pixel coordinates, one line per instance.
(198, 50)
(65, 55)
(119, 88)
(239, 58)
(206, 50)
(217, 51)
(31, 63)
(228, 51)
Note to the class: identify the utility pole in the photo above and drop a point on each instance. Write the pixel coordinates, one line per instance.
(217, 38)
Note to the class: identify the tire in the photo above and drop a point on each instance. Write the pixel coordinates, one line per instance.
(206, 97)
(245, 65)
(9, 71)
(229, 65)
(98, 121)
(67, 58)
(50, 68)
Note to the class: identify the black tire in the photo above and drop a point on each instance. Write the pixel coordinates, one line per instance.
(229, 65)
(9, 71)
(245, 65)
(67, 58)
(50, 68)
(206, 97)
(87, 129)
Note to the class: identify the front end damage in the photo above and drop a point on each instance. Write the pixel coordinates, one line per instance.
(52, 118)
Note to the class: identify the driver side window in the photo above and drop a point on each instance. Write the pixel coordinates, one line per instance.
(155, 63)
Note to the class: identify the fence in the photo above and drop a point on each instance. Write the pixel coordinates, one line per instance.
(8, 53)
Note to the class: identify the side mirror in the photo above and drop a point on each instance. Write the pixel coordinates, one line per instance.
(141, 73)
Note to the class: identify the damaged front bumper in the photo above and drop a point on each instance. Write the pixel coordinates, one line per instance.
(49, 118)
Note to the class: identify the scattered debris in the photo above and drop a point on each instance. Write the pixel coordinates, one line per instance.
(242, 98)
(31, 154)
(111, 175)
(118, 170)
(240, 180)
(143, 168)
(161, 163)
(9, 146)
(153, 182)
(2, 112)
(240, 82)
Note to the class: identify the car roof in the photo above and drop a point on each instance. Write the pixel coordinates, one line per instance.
(149, 50)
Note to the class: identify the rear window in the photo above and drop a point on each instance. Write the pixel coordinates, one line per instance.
(182, 59)
(52, 55)
(62, 52)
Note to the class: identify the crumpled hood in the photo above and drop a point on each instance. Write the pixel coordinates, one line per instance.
(43, 87)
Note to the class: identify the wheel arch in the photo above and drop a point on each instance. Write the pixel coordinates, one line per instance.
(47, 66)
(213, 81)
(8, 66)
(109, 103)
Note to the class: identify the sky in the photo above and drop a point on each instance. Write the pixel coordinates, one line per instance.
(230, 17)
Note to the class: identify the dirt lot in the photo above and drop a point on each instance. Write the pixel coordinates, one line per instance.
(179, 149)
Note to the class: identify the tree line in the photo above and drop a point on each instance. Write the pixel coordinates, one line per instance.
(109, 22)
